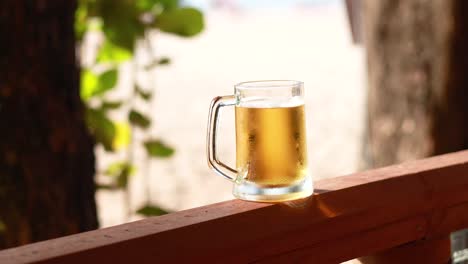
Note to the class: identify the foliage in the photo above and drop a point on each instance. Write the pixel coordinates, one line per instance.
(94, 85)
(151, 210)
(121, 172)
(121, 24)
(101, 127)
(185, 22)
(138, 119)
(156, 148)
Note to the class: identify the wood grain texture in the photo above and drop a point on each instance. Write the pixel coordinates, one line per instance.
(348, 217)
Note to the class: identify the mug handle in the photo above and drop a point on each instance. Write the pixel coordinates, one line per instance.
(213, 161)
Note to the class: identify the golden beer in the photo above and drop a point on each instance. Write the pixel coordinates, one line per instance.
(271, 149)
(271, 145)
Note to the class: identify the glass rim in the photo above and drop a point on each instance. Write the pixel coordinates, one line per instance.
(267, 84)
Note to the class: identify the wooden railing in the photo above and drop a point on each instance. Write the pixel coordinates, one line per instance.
(398, 214)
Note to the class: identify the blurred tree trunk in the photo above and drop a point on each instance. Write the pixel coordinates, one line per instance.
(417, 52)
(47, 160)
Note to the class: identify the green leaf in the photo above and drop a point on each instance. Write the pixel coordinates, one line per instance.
(144, 95)
(93, 85)
(121, 171)
(169, 4)
(122, 24)
(109, 187)
(138, 119)
(86, 19)
(122, 135)
(156, 148)
(109, 52)
(114, 169)
(95, 24)
(124, 37)
(89, 83)
(122, 179)
(81, 15)
(184, 22)
(107, 80)
(164, 61)
(151, 210)
(146, 5)
(111, 105)
(149, 5)
(101, 127)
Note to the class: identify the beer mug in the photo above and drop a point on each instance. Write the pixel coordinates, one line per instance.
(271, 149)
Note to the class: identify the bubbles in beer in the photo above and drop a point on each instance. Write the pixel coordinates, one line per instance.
(271, 143)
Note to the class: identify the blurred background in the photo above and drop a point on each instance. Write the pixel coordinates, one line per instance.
(241, 41)
(104, 103)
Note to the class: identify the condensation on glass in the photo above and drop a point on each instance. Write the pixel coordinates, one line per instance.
(271, 145)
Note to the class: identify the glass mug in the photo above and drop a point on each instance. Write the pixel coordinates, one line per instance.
(271, 149)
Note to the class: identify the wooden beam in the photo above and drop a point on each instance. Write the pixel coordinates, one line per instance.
(348, 217)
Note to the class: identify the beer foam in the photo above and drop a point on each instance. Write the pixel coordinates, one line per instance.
(271, 102)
